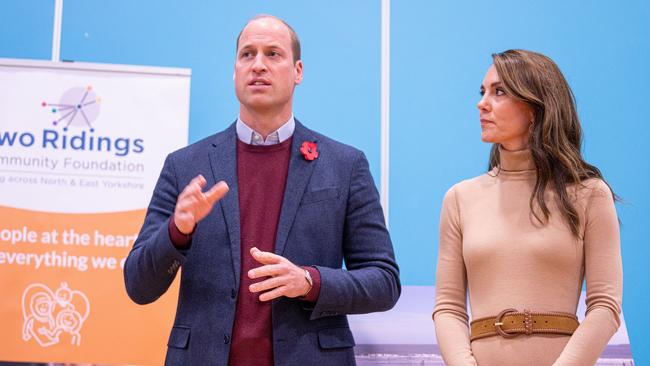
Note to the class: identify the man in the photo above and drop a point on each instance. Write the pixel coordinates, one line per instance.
(260, 217)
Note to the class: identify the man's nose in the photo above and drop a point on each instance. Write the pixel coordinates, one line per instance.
(259, 64)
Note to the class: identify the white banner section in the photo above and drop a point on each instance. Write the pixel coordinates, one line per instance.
(87, 138)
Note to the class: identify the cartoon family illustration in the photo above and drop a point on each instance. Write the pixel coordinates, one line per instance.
(47, 314)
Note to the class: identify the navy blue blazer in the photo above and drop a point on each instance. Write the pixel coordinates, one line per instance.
(330, 214)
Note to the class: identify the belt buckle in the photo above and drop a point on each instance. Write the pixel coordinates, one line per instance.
(498, 323)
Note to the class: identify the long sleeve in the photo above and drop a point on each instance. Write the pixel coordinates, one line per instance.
(153, 262)
(370, 281)
(450, 313)
(603, 275)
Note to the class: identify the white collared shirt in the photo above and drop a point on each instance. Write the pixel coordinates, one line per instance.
(249, 136)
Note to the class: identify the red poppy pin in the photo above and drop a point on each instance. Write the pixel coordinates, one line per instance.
(309, 150)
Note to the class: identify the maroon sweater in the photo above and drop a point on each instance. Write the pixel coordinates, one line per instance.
(261, 174)
(261, 177)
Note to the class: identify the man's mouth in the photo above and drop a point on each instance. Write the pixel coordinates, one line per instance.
(259, 82)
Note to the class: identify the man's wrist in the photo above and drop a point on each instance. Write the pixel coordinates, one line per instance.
(177, 237)
(182, 228)
(310, 282)
(314, 289)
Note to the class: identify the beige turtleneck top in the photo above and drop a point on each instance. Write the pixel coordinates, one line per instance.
(493, 249)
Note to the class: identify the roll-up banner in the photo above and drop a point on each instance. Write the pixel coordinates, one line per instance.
(81, 148)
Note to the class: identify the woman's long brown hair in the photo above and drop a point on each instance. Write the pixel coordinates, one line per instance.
(556, 136)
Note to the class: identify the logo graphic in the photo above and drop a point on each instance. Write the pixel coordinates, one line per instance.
(78, 106)
(48, 314)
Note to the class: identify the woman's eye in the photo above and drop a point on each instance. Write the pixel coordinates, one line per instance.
(500, 91)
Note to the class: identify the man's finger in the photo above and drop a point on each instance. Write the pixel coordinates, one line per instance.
(271, 283)
(195, 185)
(199, 179)
(269, 270)
(273, 294)
(217, 192)
(265, 257)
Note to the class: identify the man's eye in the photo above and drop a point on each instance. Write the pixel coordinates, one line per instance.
(245, 54)
(273, 53)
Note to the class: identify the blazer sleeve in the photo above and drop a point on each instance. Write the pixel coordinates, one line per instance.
(153, 262)
(603, 277)
(370, 282)
(450, 312)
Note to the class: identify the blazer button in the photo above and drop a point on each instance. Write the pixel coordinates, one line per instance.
(233, 293)
(226, 339)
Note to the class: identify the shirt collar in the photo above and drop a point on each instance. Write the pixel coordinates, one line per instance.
(249, 136)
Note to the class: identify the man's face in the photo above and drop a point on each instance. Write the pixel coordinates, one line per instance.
(265, 74)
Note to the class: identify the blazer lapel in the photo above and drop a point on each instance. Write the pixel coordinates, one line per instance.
(300, 171)
(223, 161)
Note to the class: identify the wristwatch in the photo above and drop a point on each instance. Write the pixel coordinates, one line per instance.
(309, 280)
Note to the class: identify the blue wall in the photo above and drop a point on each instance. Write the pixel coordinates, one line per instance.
(439, 54)
(26, 29)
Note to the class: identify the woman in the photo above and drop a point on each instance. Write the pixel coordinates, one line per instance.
(521, 238)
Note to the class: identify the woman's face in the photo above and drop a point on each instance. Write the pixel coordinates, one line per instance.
(504, 119)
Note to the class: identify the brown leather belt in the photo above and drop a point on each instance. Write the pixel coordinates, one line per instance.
(510, 323)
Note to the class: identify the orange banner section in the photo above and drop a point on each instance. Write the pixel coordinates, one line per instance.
(63, 296)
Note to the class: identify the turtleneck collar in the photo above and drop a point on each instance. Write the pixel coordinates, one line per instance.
(515, 161)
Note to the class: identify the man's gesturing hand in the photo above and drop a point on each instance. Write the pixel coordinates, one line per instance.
(287, 279)
(193, 204)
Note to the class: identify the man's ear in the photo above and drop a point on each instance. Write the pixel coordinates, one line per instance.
(298, 69)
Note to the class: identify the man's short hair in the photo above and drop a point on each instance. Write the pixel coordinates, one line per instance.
(295, 42)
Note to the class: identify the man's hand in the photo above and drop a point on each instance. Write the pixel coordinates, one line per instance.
(287, 279)
(193, 204)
